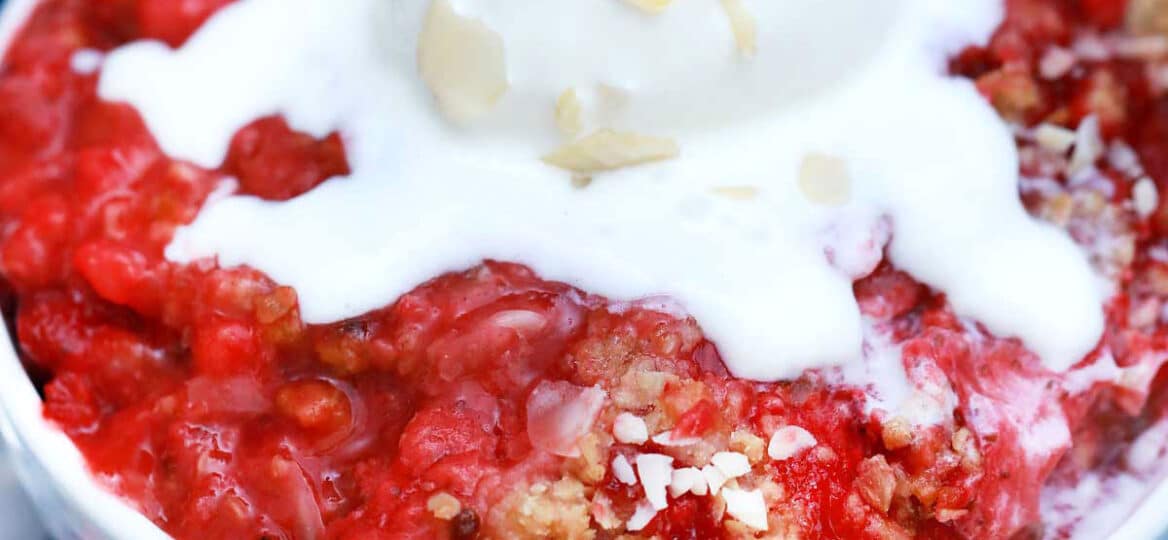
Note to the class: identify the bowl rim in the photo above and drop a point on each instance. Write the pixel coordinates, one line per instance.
(29, 435)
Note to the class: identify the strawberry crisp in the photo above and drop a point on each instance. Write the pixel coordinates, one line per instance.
(490, 403)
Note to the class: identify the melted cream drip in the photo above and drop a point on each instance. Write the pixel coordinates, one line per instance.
(860, 81)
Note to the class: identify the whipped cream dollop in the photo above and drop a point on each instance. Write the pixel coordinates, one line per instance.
(748, 158)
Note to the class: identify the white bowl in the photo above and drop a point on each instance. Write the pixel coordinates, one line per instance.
(73, 505)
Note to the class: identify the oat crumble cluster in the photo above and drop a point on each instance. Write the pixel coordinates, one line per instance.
(493, 404)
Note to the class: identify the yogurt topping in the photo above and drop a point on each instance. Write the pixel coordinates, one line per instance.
(797, 158)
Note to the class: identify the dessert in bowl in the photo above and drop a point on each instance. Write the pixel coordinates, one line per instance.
(725, 268)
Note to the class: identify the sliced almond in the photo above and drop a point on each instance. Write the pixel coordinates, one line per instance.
(737, 193)
(747, 506)
(824, 180)
(650, 6)
(731, 464)
(623, 470)
(462, 62)
(790, 441)
(643, 514)
(655, 472)
(743, 25)
(568, 113)
(607, 150)
(630, 429)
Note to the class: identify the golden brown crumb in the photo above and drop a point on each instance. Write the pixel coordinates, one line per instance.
(556, 510)
(897, 433)
(753, 446)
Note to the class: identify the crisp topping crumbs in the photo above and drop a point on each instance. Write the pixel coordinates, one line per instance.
(715, 479)
(665, 438)
(641, 516)
(790, 441)
(568, 113)
(731, 464)
(737, 193)
(630, 429)
(743, 25)
(444, 506)
(1055, 139)
(747, 506)
(824, 180)
(1145, 197)
(650, 6)
(607, 150)
(687, 480)
(623, 470)
(462, 62)
(656, 472)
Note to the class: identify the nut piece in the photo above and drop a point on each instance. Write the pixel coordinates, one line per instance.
(461, 61)
(747, 506)
(824, 180)
(606, 150)
(444, 506)
(742, 24)
(630, 429)
(650, 6)
(1148, 17)
(568, 113)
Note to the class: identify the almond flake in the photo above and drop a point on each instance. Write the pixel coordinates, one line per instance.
(650, 6)
(1088, 145)
(1056, 62)
(737, 193)
(687, 480)
(568, 113)
(623, 470)
(747, 506)
(715, 479)
(731, 464)
(1056, 139)
(789, 441)
(742, 24)
(606, 150)
(665, 438)
(1145, 197)
(462, 62)
(630, 429)
(641, 516)
(824, 180)
(656, 472)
